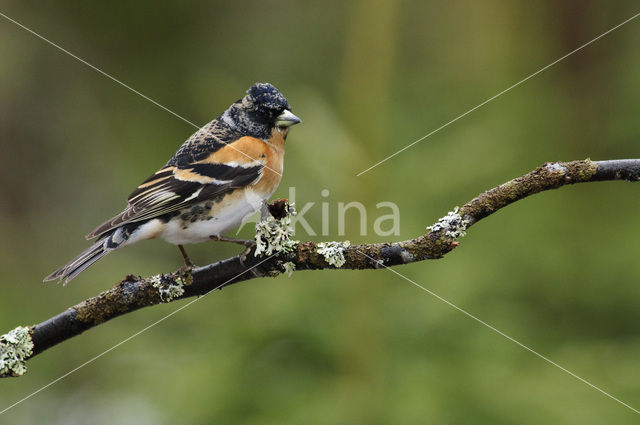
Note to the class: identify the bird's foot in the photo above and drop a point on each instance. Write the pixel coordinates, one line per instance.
(245, 242)
(186, 270)
(245, 253)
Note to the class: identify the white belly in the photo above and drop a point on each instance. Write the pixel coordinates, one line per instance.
(228, 214)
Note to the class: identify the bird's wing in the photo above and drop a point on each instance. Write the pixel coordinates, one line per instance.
(178, 186)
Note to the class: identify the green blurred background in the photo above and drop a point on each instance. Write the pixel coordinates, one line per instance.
(559, 271)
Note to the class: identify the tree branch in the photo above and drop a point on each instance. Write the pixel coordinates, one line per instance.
(135, 292)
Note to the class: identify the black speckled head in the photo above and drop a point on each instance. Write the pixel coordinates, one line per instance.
(259, 112)
(265, 96)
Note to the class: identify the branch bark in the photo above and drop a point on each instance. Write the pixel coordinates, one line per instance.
(135, 292)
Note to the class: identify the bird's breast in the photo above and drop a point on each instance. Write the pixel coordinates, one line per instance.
(212, 218)
(274, 156)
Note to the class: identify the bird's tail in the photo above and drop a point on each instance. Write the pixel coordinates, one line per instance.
(99, 249)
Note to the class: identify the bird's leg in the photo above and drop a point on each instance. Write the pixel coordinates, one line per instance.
(187, 260)
(245, 242)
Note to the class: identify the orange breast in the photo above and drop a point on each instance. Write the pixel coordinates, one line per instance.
(272, 172)
(247, 150)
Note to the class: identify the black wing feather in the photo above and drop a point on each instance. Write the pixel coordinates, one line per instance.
(164, 192)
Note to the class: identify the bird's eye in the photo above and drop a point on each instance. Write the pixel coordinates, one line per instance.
(274, 113)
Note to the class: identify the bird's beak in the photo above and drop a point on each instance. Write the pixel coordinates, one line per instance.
(287, 119)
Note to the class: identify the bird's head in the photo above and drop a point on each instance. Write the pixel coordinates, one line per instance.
(263, 110)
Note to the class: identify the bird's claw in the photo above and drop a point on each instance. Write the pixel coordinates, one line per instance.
(186, 269)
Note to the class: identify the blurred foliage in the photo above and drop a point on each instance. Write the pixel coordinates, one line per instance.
(559, 271)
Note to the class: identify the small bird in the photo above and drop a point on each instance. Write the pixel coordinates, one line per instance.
(217, 179)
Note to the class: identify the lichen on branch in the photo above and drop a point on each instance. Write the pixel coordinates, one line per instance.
(452, 224)
(276, 252)
(275, 234)
(333, 252)
(16, 347)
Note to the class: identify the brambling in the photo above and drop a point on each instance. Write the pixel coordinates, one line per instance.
(217, 179)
